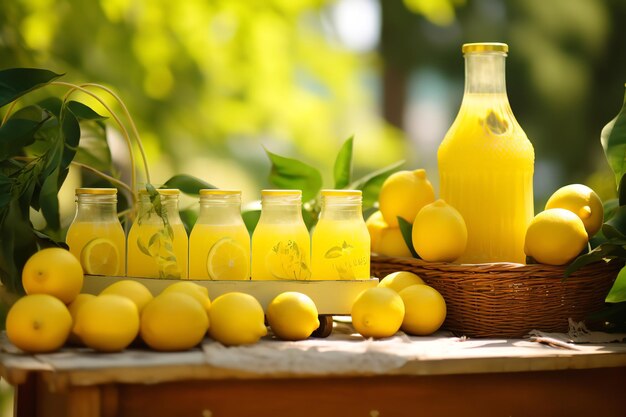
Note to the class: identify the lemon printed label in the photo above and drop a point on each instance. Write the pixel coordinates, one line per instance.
(345, 260)
(286, 260)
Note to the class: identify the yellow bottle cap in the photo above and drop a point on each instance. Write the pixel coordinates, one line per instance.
(340, 193)
(218, 191)
(281, 192)
(96, 191)
(485, 47)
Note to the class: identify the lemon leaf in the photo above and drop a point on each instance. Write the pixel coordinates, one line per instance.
(613, 138)
(343, 164)
(616, 226)
(188, 184)
(288, 173)
(15, 82)
(407, 234)
(617, 294)
(604, 251)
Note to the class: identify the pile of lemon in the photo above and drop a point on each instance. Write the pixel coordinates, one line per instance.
(54, 312)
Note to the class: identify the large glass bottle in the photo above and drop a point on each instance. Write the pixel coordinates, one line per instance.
(486, 162)
(96, 236)
(219, 244)
(156, 248)
(281, 245)
(340, 242)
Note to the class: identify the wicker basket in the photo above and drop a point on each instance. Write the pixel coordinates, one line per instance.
(509, 300)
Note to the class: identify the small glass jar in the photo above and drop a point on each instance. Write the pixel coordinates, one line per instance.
(340, 241)
(158, 245)
(281, 245)
(219, 244)
(96, 236)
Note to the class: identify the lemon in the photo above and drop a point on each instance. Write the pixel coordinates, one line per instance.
(173, 321)
(133, 290)
(582, 201)
(38, 323)
(377, 312)
(425, 310)
(392, 243)
(227, 260)
(292, 316)
(197, 291)
(439, 233)
(375, 225)
(53, 271)
(399, 280)
(403, 194)
(555, 237)
(237, 319)
(107, 323)
(100, 257)
(73, 307)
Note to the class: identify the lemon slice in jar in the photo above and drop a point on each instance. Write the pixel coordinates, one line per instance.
(100, 257)
(227, 261)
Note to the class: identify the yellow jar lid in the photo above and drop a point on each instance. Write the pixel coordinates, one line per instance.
(96, 191)
(485, 47)
(281, 192)
(341, 193)
(218, 191)
(162, 191)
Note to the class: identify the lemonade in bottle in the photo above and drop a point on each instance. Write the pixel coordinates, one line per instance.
(158, 245)
(486, 162)
(281, 244)
(340, 241)
(219, 244)
(96, 236)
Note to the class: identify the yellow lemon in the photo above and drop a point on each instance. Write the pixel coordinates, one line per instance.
(439, 233)
(100, 257)
(375, 225)
(197, 291)
(292, 316)
(227, 260)
(392, 243)
(237, 319)
(377, 312)
(53, 271)
(425, 310)
(403, 194)
(73, 307)
(38, 323)
(555, 237)
(107, 323)
(133, 290)
(173, 321)
(582, 201)
(399, 280)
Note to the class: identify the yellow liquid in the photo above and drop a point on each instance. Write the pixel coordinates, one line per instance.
(340, 250)
(81, 233)
(202, 239)
(486, 173)
(161, 263)
(281, 251)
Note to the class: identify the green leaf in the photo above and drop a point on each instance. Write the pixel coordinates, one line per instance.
(18, 243)
(370, 184)
(251, 218)
(94, 149)
(290, 173)
(70, 130)
(621, 190)
(188, 184)
(52, 104)
(343, 164)
(83, 112)
(616, 226)
(407, 234)
(16, 134)
(15, 82)
(613, 138)
(604, 251)
(49, 201)
(617, 294)
(610, 207)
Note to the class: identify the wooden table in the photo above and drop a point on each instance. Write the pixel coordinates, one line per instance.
(436, 376)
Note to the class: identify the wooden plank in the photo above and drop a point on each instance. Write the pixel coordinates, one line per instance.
(330, 297)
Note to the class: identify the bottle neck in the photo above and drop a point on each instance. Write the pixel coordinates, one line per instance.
(485, 73)
(281, 209)
(341, 208)
(219, 208)
(168, 202)
(96, 208)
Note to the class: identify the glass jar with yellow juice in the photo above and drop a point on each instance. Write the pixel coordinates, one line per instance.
(340, 241)
(96, 236)
(158, 244)
(281, 245)
(486, 162)
(219, 244)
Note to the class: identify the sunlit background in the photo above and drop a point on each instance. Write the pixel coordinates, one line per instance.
(211, 83)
